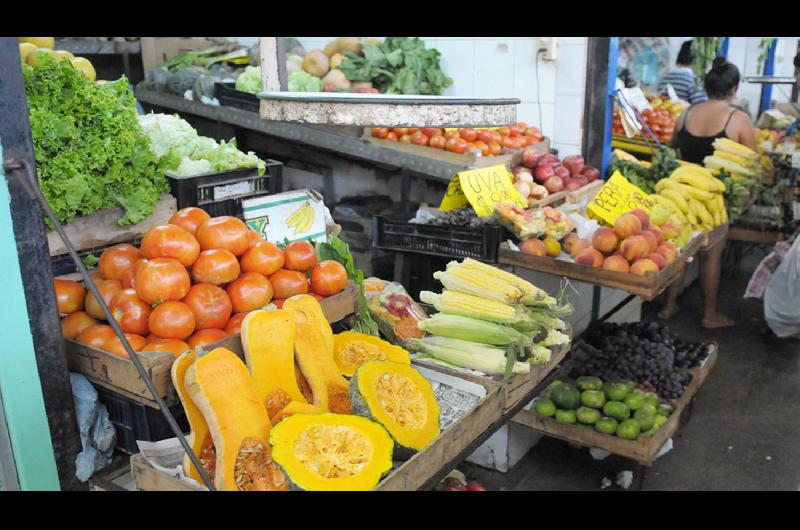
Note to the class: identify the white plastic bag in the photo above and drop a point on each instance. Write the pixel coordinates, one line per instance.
(782, 297)
(98, 436)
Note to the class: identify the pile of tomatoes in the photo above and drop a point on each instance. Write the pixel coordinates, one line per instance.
(487, 142)
(661, 121)
(190, 283)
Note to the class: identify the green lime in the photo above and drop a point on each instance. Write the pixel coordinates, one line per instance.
(545, 407)
(634, 401)
(606, 425)
(587, 415)
(589, 382)
(628, 429)
(566, 416)
(593, 398)
(645, 419)
(615, 391)
(617, 409)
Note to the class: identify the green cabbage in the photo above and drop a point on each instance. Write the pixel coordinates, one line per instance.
(250, 80)
(302, 81)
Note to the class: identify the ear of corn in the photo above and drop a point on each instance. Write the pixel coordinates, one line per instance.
(531, 293)
(473, 282)
(726, 144)
(736, 159)
(491, 361)
(715, 162)
(472, 329)
(467, 305)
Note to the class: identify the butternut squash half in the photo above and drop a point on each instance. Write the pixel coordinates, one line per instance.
(351, 350)
(399, 398)
(268, 343)
(331, 452)
(221, 387)
(313, 350)
(199, 436)
(295, 407)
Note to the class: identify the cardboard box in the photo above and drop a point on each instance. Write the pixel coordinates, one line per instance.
(158, 50)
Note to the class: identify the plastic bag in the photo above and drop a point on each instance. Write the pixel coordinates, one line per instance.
(782, 297)
(98, 436)
(396, 313)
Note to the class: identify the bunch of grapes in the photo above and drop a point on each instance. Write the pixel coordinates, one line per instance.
(461, 217)
(646, 353)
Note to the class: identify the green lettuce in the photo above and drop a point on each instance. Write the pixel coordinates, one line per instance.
(250, 80)
(302, 81)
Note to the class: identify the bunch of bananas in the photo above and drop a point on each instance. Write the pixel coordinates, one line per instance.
(733, 157)
(301, 219)
(696, 195)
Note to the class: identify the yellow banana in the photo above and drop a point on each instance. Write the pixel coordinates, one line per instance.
(720, 203)
(698, 177)
(724, 216)
(711, 205)
(676, 198)
(701, 212)
(307, 221)
(717, 218)
(686, 191)
(294, 218)
(300, 221)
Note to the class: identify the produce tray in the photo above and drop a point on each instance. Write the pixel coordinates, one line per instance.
(520, 384)
(713, 237)
(222, 192)
(395, 233)
(643, 450)
(647, 287)
(228, 96)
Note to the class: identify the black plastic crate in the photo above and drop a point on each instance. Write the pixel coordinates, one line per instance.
(392, 233)
(221, 193)
(135, 421)
(228, 96)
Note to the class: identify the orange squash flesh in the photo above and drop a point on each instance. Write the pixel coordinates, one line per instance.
(199, 438)
(295, 407)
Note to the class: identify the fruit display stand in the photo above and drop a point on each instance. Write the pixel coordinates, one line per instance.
(643, 450)
(647, 287)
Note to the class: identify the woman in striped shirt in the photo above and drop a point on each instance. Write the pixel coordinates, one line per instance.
(686, 84)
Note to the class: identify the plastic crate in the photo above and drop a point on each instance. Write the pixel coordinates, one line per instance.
(390, 233)
(222, 193)
(135, 421)
(228, 96)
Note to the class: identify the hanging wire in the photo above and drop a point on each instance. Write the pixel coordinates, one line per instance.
(35, 193)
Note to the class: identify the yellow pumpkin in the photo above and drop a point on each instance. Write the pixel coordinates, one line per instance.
(295, 407)
(351, 350)
(199, 438)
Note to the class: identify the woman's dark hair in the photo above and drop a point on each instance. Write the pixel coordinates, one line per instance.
(722, 80)
(797, 61)
(685, 56)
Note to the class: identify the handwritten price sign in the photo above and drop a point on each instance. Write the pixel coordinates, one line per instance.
(617, 197)
(481, 188)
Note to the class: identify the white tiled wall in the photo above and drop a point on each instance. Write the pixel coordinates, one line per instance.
(506, 67)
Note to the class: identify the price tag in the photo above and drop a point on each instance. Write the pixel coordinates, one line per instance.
(673, 96)
(482, 188)
(637, 98)
(616, 197)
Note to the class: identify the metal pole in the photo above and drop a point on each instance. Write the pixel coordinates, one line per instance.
(613, 55)
(723, 50)
(769, 69)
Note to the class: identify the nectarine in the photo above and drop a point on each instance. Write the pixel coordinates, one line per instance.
(668, 253)
(578, 246)
(534, 247)
(659, 234)
(604, 240)
(643, 217)
(616, 263)
(634, 247)
(651, 238)
(627, 225)
(642, 266)
(658, 259)
(589, 256)
(568, 241)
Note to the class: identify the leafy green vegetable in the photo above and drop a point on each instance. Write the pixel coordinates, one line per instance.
(250, 80)
(645, 178)
(704, 50)
(91, 261)
(90, 151)
(399, 65)
(302, 81)
(203, 58)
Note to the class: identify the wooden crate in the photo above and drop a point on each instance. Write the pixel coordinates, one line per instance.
(643, 450)
(148, 478)
(720, 233)
(648, 287)
(570, 197)
(120, 375)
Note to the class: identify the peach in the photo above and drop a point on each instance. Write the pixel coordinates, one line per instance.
(616, 263)
(642, 266)
(568, 241)
(634, 247)
(668, 253)
(670, 230)
(534, 247)
(604, 240)
(627, 225)
(651, 238)
(659, 234)
(658, 259)
(553, 247)
(643, 217)
(671, 245)
(578, 246)
(589, 256)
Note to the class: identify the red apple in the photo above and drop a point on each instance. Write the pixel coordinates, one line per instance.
(561, 171)
(542, 173)
(574, 164)
(554, 184)
(591, 173)
(530, 159)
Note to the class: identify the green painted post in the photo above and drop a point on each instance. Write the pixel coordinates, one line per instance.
(20, 387)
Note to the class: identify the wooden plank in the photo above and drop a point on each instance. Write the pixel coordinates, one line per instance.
(715, 236)
(643, 450)
(120, 375)
(101, 227)
(148, 478)
(586, 192)
(763, 237)
(648, 287)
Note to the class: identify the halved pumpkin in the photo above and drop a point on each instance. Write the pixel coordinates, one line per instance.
(331, 452)
(199, 437)
(313, 349)
(295, 407)
(268, 343)
(221, 387)
(399, 398)
(351, 350)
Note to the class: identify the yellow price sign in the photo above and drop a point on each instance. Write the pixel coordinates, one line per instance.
(617, 197)
(481, 188)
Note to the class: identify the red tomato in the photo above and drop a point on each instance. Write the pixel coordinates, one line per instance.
(130, 312)
(278, 302)
(507, 142)
(250, 292)
(483, 148)
(170, 241)
(263, 258)
(299, 256)
(114, 261)
(485, 136)
(253, 238)
(495, 149)
(216, 266)
(189, 218)
(453, 133)
(522, 125)
(380, 132)
(75, 323)
(173, 346)
(286, 283)
(234, 325)
(114, 345)
(96, 276)
(129, 278)
(413, 130)
(533, 131)
(205, 337)
(392, 136)
(224, 232)
(172, 320)
(504, 131)
(69, 296)
(210, 305)
(516, 130)
(405, 139)
(437, 142)
(162, 280)
(400, 131)
(107, 288)
(432, 131)
(328, 278)
(470, 135)
(419, 139)
(96, 335)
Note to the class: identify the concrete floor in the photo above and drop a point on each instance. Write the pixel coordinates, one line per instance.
(743, 433)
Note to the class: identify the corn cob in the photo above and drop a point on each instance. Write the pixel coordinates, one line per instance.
(676, 199)
(472, 329)
(736, 159)
(491, 361)
(468, 305)
(531, 293)
(478, 284)
(685, 190)
(726, 144)
(715, 162)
